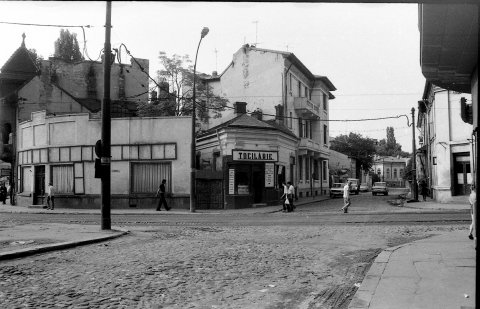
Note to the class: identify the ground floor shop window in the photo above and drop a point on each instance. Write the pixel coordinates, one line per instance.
(62, 177)
(26, 179)
(147, 177)
(242, 179)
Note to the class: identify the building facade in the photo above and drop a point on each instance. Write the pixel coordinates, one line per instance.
(390, 170)
(341, 167)
(60, 149)
(279, 86)
(445, 157)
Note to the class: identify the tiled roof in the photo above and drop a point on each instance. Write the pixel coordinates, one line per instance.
(246, 121)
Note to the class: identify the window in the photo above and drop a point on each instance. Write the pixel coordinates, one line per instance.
(290, 120)
(26, 179)
(300, 168)
(394, 173)
(401, 172)
(147, 177)
(379, 172)
(291, 84)
(324, 170)
(388, 173)
(300, 127)
(307, 168)
(325, 133)
(299, 89)
(306, 91)
(315, 169)
(62, 178)
(324, 102)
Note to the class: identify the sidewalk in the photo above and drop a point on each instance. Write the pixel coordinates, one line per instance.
(433, 273)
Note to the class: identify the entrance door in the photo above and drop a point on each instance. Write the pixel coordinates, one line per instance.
(39, 185)
(258, 182)
(462, 174)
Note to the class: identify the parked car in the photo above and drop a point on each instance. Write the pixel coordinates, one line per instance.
(363, 187)
(379, 188)
(355, 188)
(336, 189)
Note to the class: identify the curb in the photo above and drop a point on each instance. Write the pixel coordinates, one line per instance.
(60, 246)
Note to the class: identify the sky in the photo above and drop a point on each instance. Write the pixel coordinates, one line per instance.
(370, 52)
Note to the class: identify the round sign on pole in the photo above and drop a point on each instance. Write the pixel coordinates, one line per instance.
(98, 149)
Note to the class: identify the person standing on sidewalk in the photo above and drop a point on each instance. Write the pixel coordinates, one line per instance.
(346, 197)
(161, 192)
(423, 189)
(50, 196)
(284, 197)
(472, 199)
(290, 195)
(3, 193)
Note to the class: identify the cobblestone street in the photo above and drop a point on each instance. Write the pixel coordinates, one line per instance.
(206, 267)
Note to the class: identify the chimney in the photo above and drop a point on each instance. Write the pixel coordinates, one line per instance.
(240, 108)
(279, 113)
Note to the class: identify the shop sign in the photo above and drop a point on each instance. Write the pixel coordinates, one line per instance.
(231, 181)
(269, 173)
(255, 155)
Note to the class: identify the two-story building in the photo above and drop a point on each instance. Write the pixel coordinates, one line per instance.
(445, 156)
(390, 170)
(277, 85)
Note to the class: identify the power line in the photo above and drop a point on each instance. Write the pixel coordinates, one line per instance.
(45, 25)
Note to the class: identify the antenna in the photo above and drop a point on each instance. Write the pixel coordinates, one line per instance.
(256, 31)
(216, 52)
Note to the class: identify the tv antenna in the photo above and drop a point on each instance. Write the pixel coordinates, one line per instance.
(256, 31)
(216, 52)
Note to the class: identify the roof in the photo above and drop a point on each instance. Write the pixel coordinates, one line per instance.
(246, 121)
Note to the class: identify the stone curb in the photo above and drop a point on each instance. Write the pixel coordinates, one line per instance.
(118, 232)
(364, 294)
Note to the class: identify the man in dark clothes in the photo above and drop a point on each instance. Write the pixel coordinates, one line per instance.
(161, 191)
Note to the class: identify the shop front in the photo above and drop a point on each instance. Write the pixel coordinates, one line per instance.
(251, 178)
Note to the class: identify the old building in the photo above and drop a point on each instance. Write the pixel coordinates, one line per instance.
(390, 170)
(50, 112)
(341, 167)
(277, 85)
(445, 156)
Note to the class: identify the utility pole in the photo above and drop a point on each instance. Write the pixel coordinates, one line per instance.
(414, 163)
(256, 31)
(106, 125)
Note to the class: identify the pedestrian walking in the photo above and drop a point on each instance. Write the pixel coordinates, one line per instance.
(50, 196)
(3, 193)
(161, 192)
(423, 189)
(472, 199)
(284, 197)
(290, 196)
(346, 197)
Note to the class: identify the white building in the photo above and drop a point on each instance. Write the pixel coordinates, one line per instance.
(277, 85)
(60, 149)
(445, 158)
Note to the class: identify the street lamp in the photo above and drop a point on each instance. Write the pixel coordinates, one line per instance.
(193, 198)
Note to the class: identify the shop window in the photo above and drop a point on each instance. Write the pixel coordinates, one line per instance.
(147, 177)
(242, 179)
(62, 178)
(26, 179)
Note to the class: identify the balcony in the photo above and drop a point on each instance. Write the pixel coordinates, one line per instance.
(306, 107)
(311, 147)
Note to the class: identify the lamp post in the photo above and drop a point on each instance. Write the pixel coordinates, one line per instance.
(193, 197)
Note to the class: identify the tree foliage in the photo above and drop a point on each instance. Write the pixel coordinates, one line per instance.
(356, 146)
(66, 47)
(389, 146)
(178, 73)
(35, 57)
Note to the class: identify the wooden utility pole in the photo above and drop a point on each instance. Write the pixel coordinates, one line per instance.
(106, 125)
(414, 160)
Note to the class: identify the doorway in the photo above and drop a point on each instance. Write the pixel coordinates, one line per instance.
(462, 174)
(39, 185)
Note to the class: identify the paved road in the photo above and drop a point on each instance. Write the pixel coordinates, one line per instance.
(305, 259)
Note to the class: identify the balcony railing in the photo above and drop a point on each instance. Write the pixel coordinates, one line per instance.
(306, 107)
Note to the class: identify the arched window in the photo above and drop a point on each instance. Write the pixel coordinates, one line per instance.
(394, 173)
(401, 172)
(379, 172)
(388, 173)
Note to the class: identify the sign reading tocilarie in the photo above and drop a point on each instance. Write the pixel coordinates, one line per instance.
(255, 155)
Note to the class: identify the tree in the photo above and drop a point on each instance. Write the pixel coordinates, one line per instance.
(356, 146)
(178, 73)
(35, 57)
(389, 146)
(66, 47)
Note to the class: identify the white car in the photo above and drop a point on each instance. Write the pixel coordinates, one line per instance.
(336, 189)
(379, 188)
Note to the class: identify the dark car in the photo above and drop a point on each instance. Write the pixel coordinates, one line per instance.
(336, 189)
(379, 188)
